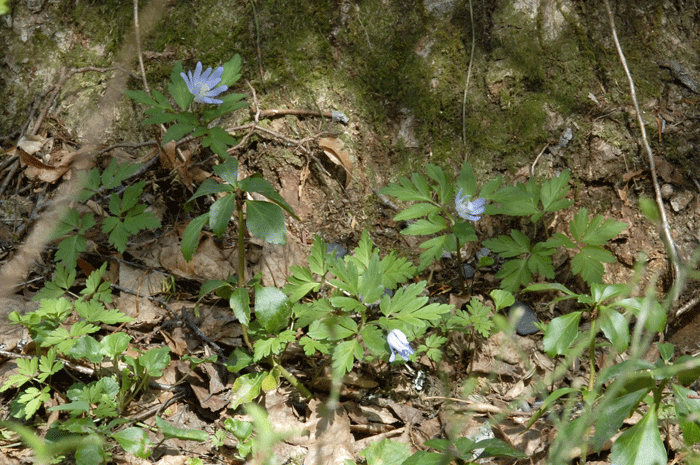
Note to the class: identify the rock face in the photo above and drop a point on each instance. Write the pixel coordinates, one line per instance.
(539, 67)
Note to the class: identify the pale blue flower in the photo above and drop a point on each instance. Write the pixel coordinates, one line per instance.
(471, 211)
(202, 85)
(398, 342)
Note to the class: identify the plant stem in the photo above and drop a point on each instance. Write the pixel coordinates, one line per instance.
(241, 240)
(292, 380)
(461, 266)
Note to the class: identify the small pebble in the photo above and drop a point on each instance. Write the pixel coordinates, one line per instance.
(337, 250)
(666, 191)
(483, 252)
(467, 271)
(680, 201)
(526, 324)
(566, 137)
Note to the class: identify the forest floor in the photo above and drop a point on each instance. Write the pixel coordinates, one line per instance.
(481, 389)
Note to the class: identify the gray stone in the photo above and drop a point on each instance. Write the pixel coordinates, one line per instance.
(526, 323)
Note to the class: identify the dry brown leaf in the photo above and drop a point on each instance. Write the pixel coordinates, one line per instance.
(144, 282)
(277, 259)
(170, 160)
(331, 429)
(11, 334)
(333, 148)
(32, 144)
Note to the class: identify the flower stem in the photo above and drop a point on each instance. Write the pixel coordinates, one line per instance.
(241, 240)
(292, 380)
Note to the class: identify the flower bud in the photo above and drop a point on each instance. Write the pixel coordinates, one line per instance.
(398, 342)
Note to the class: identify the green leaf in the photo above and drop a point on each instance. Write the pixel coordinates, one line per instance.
(407, 191)
(178, 88)
(311, 346)
(134, 440)
(220, 214)
(466, 179)
(190, 237)
(114, 345)
(666, 350)
(640, 444)
(300, 283)
(560, 334)
(271, 308)
(211, 187)
(424, 227)
(386, 452)
(141, 97)
(417, 210)
(240, 304)
(344, 356)
(434, 249)
(513, 274)
(409, 307)
(599, 232)
(115, 174)
(228, 171)
(648, 310)
(232, 71)
(256, 183)
(616, 412)
(160, 118)
(333, 327)
(177, 131)
(374, 339)
(371, 289)
(445, 191)
(238, 360)
(272, 345)
(396, 270)
(650, 209)
(87, 348)
(155, 361)
(266, 221)
(549, 401)
(687, 408)
(553, 192)
(589, 263)
(90, 451)
(426, 458)
(69, 249)
(170, 431)
(616, 328)
(246, 388)
(220, 136)
(502, 299)
(508, 247)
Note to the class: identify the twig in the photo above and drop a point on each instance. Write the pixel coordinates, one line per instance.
(10, 175)
(532, 170)
(687, 306)
(15, 270)
(671, 250)
(469, 75)
(257, 43)
(137, 33)
(336, 116)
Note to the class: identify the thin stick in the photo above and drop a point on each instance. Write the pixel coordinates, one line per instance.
(137, 31)
(469, 75)
(666, 230)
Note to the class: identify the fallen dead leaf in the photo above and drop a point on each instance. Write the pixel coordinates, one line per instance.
(333, 148)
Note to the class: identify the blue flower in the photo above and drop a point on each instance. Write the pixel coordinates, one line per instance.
(202, 85)
(399, 343)
(471, 211)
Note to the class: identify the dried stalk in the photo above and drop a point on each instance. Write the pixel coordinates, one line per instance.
(678, 274)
